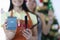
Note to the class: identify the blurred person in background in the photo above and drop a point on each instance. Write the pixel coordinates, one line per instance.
(45, 28)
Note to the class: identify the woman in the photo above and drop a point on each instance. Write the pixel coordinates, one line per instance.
(31, 5)
(52, 35)
(42, 16)
(18, 10)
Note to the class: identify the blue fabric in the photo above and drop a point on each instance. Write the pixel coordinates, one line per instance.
(39, 28)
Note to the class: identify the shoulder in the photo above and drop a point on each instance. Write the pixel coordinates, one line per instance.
(32, 14)
(33, 18)
(5, 13)
(4, 17)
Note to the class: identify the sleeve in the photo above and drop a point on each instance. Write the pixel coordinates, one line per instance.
(39, 29)
(33, 18)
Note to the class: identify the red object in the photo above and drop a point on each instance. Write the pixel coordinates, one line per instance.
(41, 0)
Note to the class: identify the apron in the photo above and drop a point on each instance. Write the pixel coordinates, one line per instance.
(18, 35)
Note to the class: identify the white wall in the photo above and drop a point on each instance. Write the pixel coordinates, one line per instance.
(4, 4)
(2, 34)
(56, 5)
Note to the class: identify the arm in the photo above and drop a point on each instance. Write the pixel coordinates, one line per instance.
(30, 34)
(9, 34)
(34, 33)
(45, 27)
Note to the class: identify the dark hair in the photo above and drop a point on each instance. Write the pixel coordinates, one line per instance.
(24, 7)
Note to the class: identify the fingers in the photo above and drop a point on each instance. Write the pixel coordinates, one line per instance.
(29, 30)
(9, 33)
(27, 33)
(50, 15)
(50, 19)
(5, 26)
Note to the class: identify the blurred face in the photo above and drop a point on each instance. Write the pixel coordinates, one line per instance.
(31, 4)
(17, 2)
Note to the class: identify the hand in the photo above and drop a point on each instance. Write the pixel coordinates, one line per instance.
(27, 33)
(50, 16)
(9, 33)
